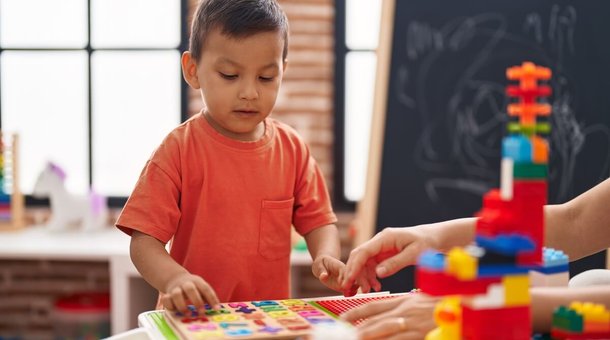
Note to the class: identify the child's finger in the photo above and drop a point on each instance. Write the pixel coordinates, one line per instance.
(208, 294)
(192, 293)
(177, 297)
(167, 302)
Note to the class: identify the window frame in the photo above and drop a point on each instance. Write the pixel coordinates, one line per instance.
(113, 201)
(341, 50)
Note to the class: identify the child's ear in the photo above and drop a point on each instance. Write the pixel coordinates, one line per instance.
(189, 70)
(284, 66)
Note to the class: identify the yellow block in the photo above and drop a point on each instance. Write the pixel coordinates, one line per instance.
(591, 312)
(461, 264)
(516, 290)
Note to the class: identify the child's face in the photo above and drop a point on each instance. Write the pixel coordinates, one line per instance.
(239, 81)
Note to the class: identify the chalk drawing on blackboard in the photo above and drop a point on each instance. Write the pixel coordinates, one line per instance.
(473, 111)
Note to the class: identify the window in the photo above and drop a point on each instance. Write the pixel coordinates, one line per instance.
(92, 85)
(356, 38)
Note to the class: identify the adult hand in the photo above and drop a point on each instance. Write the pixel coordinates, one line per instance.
(406, 318)
(386, 253)
(188, 289)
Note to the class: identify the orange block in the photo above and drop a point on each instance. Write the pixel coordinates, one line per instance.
(540, 150)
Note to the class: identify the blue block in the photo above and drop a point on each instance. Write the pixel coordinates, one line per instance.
(506, 244)
(500, 270)
(518, 148)
(553, 257)
(553, 269)
(432, 260)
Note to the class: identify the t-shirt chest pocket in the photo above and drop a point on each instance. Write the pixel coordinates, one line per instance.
(275, 222)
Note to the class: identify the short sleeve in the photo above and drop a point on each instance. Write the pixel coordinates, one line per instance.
(153, 207)
(312, 202)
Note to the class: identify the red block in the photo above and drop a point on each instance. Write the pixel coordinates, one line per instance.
(498, 324)
(562, 334)
(440, 284)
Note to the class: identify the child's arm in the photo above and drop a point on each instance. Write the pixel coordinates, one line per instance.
(546, 299)
(580, 226)
(325, 249)
(175, 283)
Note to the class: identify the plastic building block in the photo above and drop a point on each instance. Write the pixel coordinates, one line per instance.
(567, 319)
(528, 91)
(506, 179)
(516, 290)
(492, 300)
(596, 316)
(440, 284)
(518, 148)
(461, 264)
(506, 244)
(493, 276)
(507, 323)
(553, 257)
(530, 171)
(448, 317)
(540, 150)
(529, 130)
(431, 260)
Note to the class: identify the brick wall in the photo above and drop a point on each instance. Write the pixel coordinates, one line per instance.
(29, 289)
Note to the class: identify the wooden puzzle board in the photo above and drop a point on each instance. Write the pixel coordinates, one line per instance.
(271, 319)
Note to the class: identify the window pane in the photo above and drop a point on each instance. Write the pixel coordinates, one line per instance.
(362, 24)
(135, 23)
(44, 99)
(359, 90)
(43, 23)
(136, 102)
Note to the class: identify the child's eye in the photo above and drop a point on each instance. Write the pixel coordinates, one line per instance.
(266, 78)
(228, 76)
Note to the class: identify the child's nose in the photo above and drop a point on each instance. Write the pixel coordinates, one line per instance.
(248, 91)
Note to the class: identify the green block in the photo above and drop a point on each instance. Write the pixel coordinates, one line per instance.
(567, 319)
(540, 128)
(530, 171)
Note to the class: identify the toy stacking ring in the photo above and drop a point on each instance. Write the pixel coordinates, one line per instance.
(402, 324)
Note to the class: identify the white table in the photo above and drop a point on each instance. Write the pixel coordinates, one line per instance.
(109, 245)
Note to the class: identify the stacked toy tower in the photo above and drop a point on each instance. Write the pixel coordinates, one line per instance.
(486, 285)
(11, 199)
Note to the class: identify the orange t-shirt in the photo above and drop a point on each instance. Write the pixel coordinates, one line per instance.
(229, 205)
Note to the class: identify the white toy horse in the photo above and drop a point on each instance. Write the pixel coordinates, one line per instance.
(68, 210)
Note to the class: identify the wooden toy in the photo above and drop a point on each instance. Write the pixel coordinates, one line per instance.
(269, 319)
(11, 198)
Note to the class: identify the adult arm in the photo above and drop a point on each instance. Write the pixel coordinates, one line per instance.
(546, 299)
(581, 226)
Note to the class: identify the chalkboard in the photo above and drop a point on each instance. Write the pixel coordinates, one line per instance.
(440, 108)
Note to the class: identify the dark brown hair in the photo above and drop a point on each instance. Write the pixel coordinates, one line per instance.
(236, 19)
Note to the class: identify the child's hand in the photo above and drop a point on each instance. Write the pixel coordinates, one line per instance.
(329, 271)
(188, 289)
